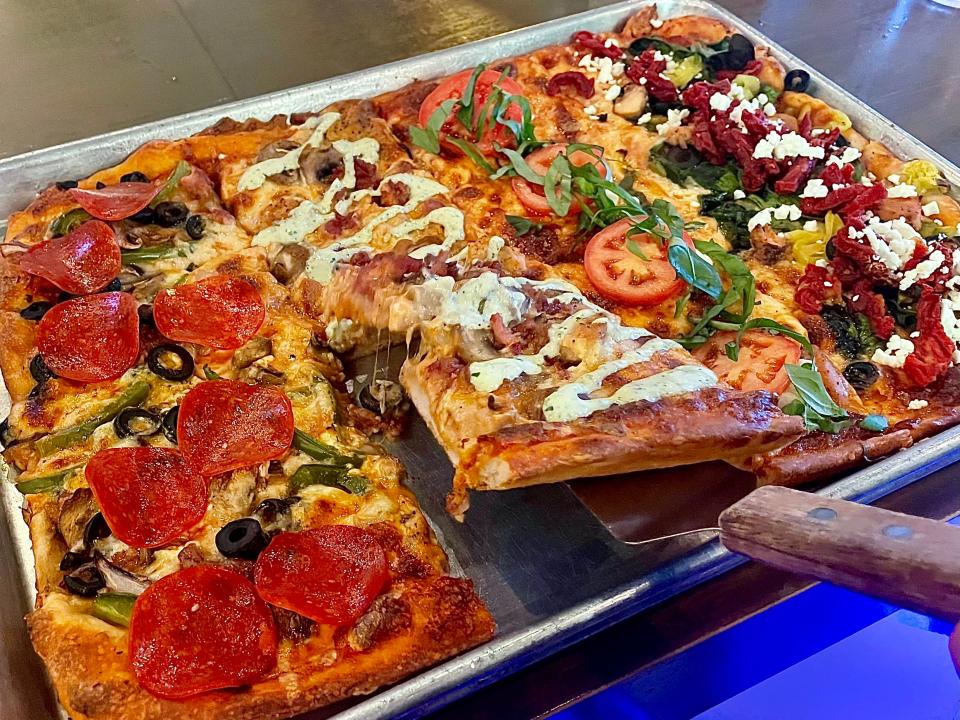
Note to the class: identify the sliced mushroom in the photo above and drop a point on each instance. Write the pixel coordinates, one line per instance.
(275, 150)
(474, 345)
(258, 347)
(319, 163)
(632, 102)
(117, 579)
(75, 512)
(289, 263)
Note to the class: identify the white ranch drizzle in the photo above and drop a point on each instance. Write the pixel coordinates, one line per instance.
(322, 261)
(255, 175)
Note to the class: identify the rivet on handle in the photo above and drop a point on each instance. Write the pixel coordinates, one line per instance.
(823, 513)
(898, 532)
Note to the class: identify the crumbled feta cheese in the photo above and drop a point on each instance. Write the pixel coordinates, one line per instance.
(618, 69)
(931, 208)
(895, 353)
(892, 241)
(611, 42)
(590, 109)
(761, 218)
(721, 102)
(736, 92)
(849, 154)
(644, 119)
(949, 307)
(781, 147)
(769, 110)
(656, 23)
(612, 93)
(917, 404)
(923, 270)
(811, 226)
(785, 212)
(822, 262)
(814, 189)
(739, 194)
(902, 190)
(675, 119)
(893, 178)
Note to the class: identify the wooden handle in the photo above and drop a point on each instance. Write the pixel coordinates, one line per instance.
(910, 561)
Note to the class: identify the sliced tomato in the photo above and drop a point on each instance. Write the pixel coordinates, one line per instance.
(80, 262)
(330, 574)
(116, 202)
(531, 195)
(219, 311)
(225, 425)
(624, 276)
(91, 338)
(199, 629)
(760, 361)
(453, 87)
(147, 495)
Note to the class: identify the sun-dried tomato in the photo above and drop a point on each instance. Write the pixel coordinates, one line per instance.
(862, 299)
(646, 67)
(798, 170)
(859, 252)
(579, 82)
(937, 280)
(594, 45)
(697, 95)
(848, 200)
(932, 349)
(816, 286)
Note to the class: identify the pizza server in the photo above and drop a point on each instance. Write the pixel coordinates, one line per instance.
(909, 561)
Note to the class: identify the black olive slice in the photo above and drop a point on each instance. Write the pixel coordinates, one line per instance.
(170, 214)
(144, 217)
(194, 227)
(85, 581)
(136, 422)
(272, 509)
(169, 424)
(95, 529)
(135, 176)
(72, 560)
(861, 375)
(243, 538)
(145, 313)
(66, 184)
(35, 310)
(39, 370)
(170, 361)
(113, 286)
(797, 81)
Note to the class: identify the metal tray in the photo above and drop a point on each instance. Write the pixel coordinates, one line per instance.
(547, 567)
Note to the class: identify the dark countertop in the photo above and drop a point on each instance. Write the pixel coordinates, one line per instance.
(71, 70)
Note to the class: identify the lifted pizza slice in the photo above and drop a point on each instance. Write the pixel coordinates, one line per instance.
(527, 382)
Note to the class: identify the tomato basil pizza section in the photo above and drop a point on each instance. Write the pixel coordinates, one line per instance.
(116, 202)
(330, 574)
(91, 338)
(630, 267)
(225, 425)
(81, 262)
(199, 629)
(218, 311)
(761, 361)
(456, 87)
(148, 495)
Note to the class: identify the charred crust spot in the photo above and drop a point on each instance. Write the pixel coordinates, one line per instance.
(454, 618)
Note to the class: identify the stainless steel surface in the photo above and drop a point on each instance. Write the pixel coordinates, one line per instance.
(549, 571)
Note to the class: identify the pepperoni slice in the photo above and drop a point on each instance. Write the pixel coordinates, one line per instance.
(224, 425)
(116, 202)
(81, 262)
(91, 338)
(147, 495)
(219, 311)
(330, 574)
(201, 629)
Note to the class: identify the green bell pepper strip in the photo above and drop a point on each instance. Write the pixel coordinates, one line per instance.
(133, 395)
(326, 454)
(68, 221)
(46, 483)
(329, 476)
(147, 254)
(115, 608)
(172, 182)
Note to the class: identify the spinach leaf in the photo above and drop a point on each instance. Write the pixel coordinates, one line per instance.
(680, 165)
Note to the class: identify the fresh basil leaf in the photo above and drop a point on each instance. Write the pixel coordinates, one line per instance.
(522, 225)
(772, 326)
(819, 411)
(557, 186)
(521, 167)
(470, 150)
(465, 113)
(635, 249)
(693, 269)
(428, 137)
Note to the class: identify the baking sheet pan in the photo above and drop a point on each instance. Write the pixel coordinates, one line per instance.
(546, 565)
